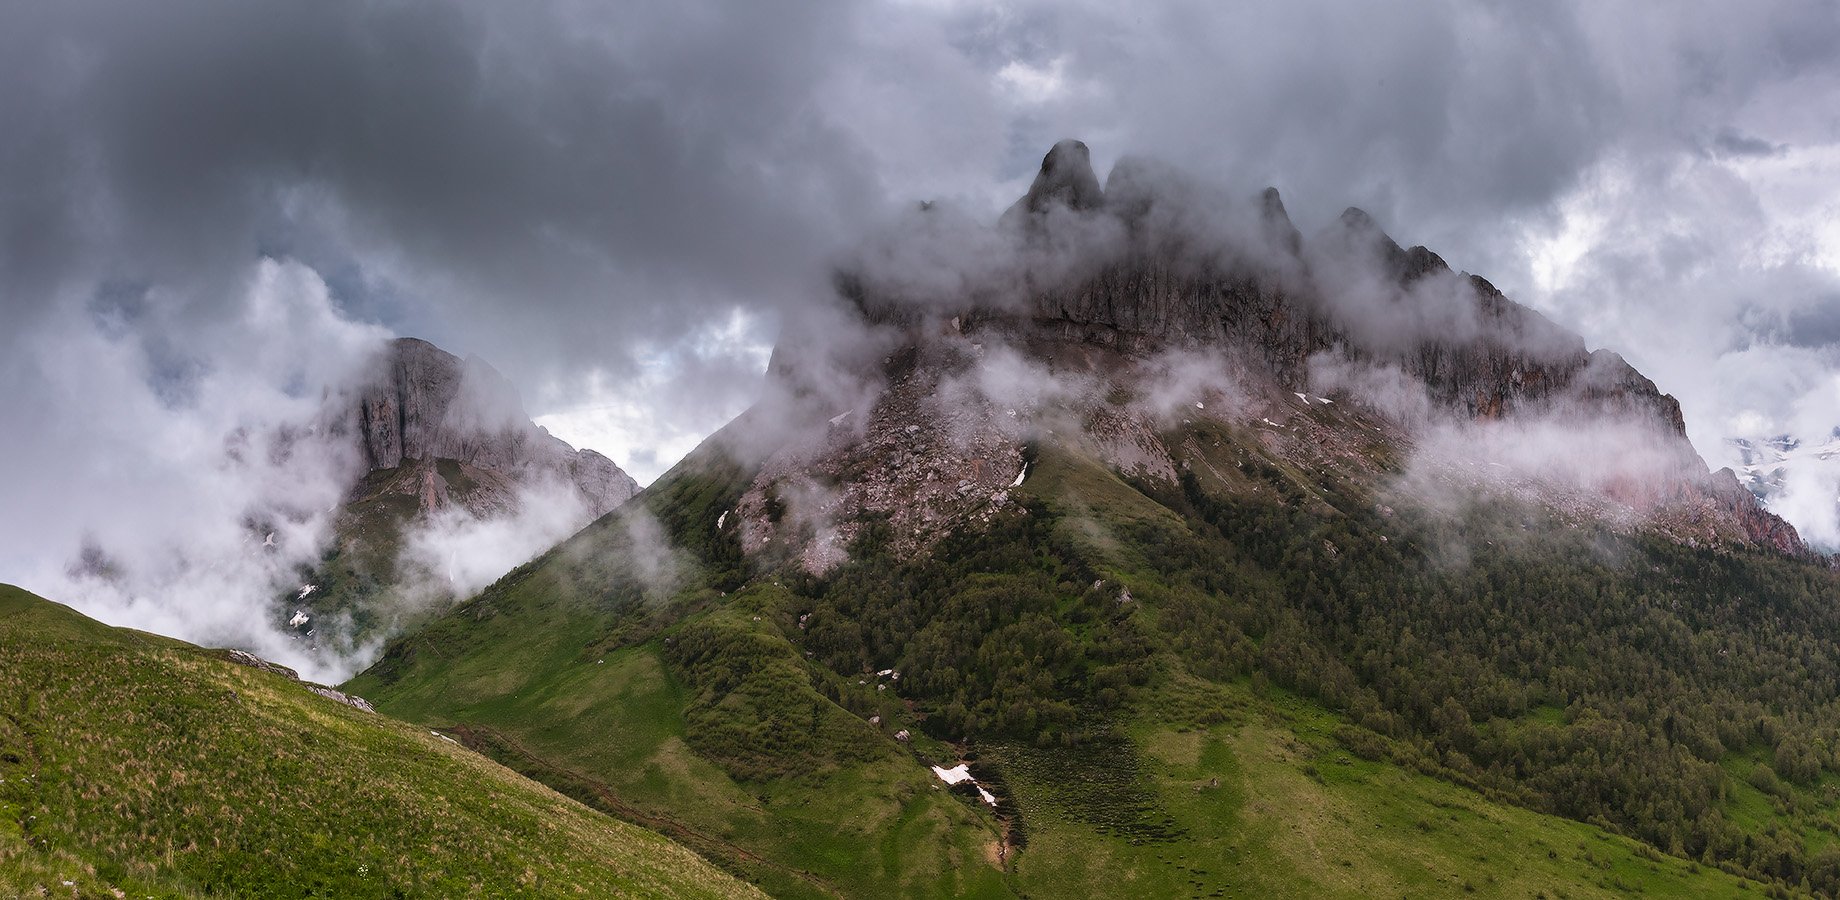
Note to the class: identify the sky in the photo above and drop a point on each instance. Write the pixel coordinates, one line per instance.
(208, 210)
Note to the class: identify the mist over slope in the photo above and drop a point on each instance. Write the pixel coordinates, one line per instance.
(306, 517)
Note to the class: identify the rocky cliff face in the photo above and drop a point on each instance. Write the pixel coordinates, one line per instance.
(1108, 281)
(426, 404)
(1351, 289)
(448, 451)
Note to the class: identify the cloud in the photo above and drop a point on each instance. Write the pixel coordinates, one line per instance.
(199, 465)
(454, 553)
(455, 168)
(1730, 142)
(179, 475)
(706, 380)
(1382, 387)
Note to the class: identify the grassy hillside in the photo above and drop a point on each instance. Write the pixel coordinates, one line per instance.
(1209, 790)
(1152, 679)
(132, 765)
(1267, 802)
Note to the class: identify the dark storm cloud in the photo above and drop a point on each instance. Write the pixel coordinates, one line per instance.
(575, 175)
(545, 183)
(1730, 142)
(1433, 116)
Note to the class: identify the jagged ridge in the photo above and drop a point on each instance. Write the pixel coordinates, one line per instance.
(1240, 279)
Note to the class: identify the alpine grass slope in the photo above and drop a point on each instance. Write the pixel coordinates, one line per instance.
(138, 766)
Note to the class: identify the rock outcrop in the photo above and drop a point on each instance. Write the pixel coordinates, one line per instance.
(425, 404)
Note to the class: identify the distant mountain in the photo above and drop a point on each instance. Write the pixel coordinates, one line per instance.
(137, 766)
(1136, 545)
(445, 443)
(427, 405)
(1766, 464)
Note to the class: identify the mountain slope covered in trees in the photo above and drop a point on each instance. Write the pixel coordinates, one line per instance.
(1135, 669)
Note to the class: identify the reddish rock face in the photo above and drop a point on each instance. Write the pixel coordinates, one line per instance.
(432, 493)
(1760, 525)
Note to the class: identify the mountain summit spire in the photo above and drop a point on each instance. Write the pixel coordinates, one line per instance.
(1066, 178)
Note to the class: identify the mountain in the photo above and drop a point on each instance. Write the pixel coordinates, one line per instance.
(134, 765)
(1274, 318)
(445, 444)
(427, 405)
(1136, 545)
(1787, 470)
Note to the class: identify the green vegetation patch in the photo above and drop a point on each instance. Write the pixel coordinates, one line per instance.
(142, 767)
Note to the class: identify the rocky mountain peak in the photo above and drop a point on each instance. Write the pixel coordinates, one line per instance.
(1356, 238)
(423, 404)
(1158, 273)
(1276, 222)
(1066, 179)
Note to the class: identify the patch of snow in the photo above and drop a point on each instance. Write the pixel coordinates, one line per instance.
(1020, 476)
(306, 589)
(838, 418)
(269, 541)
(1324, 400)
(1198, 405)
(954, 775)
(962, 773)
(1271, 423)
(720, 519)
(300, 618)
(1304, 397)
